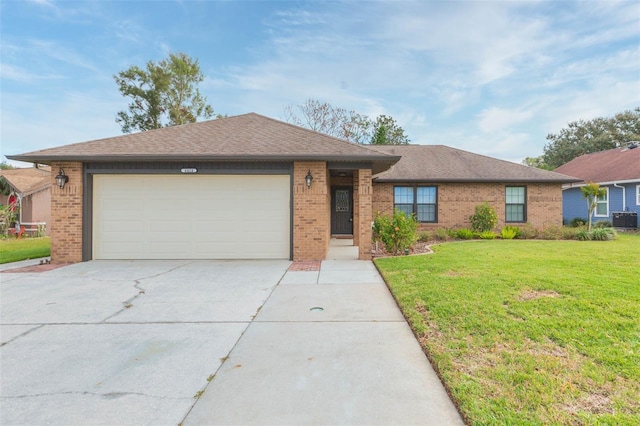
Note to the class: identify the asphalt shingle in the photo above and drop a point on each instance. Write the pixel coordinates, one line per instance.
(619, 164)
(439, 163)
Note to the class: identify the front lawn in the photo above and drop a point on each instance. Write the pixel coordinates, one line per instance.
(13, 250)
(529, 332)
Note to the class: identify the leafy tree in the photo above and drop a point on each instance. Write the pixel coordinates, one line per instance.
(379, 136)
(592, 191)
(387, 132)
(333, 121)
(537, 162)
(346, 124)
(5, 166)
(584, 137)
(163, 94)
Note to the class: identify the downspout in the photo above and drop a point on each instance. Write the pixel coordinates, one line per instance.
(624, 196)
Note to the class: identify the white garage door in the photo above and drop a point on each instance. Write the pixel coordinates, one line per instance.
(191, 217)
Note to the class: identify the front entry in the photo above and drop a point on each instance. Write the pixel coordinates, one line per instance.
(341, 211)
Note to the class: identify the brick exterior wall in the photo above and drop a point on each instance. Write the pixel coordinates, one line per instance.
(311, 211)
(363, 213)
(457, 201)
(66, 214)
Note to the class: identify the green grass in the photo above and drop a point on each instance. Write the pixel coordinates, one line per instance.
(13, 250)
(529, 332)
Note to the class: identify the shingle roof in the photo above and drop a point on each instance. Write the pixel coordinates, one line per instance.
(243, 137)
(439, 163)
(27, 181)
(619, 164)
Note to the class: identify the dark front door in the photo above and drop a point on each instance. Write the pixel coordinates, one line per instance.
(341, 210)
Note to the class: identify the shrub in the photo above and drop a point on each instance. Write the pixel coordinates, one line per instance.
(509, 232)
(569, 233)
(528, 232)
(603, 234)
(577, 222)
(551, 233)
(583, 235)
(484, 219)
(397, 233)
(486, 235)
(425, 236)
(464, 234)
(442, 234)
(602, 224)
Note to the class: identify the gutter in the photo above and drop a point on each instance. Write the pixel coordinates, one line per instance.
(624, 196)
(615, 182)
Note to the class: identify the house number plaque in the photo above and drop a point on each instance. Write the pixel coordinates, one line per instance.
(189, 170)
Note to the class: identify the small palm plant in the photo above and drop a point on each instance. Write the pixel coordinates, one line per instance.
(592, 191)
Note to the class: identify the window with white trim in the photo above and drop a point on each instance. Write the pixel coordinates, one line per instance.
(637, 195)
(515, 204)
(421, 201)
(602, 206)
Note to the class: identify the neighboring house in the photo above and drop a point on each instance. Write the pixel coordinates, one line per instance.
(31, 187)
(616, 170)
(249, 187)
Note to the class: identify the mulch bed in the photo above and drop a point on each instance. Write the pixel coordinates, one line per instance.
(421, 247)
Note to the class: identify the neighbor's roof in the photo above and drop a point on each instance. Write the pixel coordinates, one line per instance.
(439, 163)
(28, 181)
(619, 164)
(247, 137)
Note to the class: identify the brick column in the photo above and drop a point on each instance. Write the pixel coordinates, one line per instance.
(66, 214)
(365, 213)
(311, 211)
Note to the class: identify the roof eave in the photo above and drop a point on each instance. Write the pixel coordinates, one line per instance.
(46, 159)
(473, 180)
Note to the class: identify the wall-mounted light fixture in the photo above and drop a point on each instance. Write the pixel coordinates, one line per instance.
(61, 178)
(308, 179)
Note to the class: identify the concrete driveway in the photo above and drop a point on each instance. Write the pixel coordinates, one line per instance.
(122, 342)
(211, 342)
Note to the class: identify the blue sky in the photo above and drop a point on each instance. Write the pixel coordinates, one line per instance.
(489, 77)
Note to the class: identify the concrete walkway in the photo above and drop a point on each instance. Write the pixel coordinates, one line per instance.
(329, 347)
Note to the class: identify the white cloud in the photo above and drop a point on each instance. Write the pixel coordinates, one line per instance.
(496, 119)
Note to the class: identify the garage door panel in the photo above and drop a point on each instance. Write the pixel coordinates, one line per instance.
(191, 217)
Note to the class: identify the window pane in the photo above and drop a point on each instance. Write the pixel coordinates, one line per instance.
(407, 208)
(515, 195)
(402, 195)
(427, 195)
(601, 209)
(515, 213)
(603, 198)
(426, 213)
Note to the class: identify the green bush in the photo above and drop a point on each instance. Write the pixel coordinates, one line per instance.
(569, 233)
(464, 234)
(577, 222)
(486, 235)
(509, 232)
(425, 236)
(484, 219)
(442, 234)
(583, 235)
(603, 234)
(397, 233)
(602, 224)
(528, 232)
(551, 233)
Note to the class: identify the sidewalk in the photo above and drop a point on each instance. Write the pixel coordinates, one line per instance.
(329, 346)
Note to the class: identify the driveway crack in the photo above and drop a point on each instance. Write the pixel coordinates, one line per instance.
(109, 395)
(22, 334)
(127, 304)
